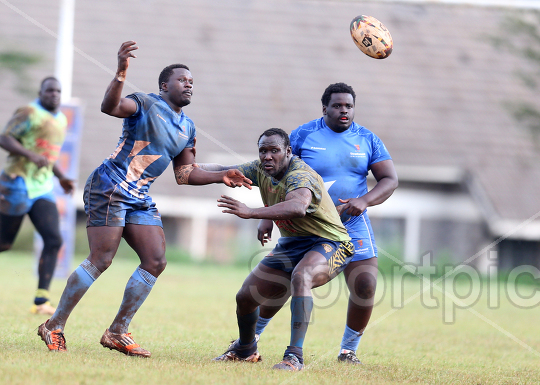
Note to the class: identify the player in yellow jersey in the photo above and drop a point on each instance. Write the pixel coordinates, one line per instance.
(314, 246)
(33, 137)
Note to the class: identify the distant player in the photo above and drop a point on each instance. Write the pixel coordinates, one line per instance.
(33, 137)
(155, 132)
(314, 246)
(343, 153)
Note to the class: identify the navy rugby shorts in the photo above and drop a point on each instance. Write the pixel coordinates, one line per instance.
(290, 250)
(108, 204)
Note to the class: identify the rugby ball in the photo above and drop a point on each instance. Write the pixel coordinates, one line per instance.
(371, 36)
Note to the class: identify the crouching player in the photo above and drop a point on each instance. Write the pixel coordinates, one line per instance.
(314, 246)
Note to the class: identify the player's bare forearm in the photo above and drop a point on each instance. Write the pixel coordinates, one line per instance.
(381, 192)
(197, 176)
(282, 210)
(13, 146)
(57, 172)
(294, 206)
(113, 104)
(214, 166)
(387, 181)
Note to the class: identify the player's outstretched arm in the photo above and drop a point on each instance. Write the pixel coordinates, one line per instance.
(113, 104)
(214, 166)
(295, 205)
(186, 172)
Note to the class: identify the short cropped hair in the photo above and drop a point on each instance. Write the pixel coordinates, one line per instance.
(279, 132)
(47, 79)
(336, 88)
(168, 71)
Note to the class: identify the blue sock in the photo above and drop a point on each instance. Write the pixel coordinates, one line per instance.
(301, 308)
(351, 339)
(77, 285)
(261, 325)
(246, 326)
(137, 289)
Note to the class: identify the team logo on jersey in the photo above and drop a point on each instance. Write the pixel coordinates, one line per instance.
(360, 242)
(357, 146)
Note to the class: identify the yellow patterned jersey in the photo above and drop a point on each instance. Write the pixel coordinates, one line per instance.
(321, 220)
(40, 132)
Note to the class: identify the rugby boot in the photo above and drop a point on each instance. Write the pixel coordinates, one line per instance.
(290, 362)
(124, 343)
(237, 352)
(349, 357)
(54, 339)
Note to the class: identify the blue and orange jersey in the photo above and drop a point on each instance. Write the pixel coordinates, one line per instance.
(150, 139)
(342, 159)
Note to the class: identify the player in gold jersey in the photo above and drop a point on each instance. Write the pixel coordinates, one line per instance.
(314, 246)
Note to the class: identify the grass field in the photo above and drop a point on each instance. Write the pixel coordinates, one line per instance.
(190, 316)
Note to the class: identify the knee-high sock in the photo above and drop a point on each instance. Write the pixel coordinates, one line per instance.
(137, 289)
(301, 308)
(261, 325)
(246, 326)
(78, 283)
(351, 339)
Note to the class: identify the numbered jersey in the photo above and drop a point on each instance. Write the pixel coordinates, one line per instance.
(150, 139)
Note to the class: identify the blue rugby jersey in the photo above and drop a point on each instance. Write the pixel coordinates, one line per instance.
(150, 139)
(342, 159)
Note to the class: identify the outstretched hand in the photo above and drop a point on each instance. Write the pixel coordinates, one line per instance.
(234, 207)
(234, 178)
(352, 206)
(124, 53)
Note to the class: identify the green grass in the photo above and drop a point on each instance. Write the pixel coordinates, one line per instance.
(190, 316)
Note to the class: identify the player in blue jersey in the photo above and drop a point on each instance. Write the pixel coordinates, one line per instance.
(155, 132)
(343, 153)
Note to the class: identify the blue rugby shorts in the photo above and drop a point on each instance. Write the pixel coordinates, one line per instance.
(108, 204)
(14, 199)
(361, 233)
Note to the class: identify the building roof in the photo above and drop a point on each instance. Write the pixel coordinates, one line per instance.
(437, 101)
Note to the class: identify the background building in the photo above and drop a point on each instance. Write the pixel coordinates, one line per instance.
(468, 171)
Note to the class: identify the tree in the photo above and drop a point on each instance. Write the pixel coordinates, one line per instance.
(18, 63)
(522, 37)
